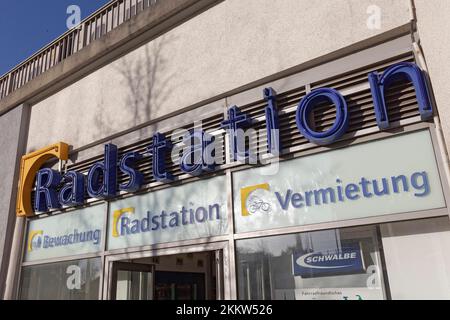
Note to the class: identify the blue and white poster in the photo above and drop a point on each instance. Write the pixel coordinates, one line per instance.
(190, 211)
(346, 260)
(68, 234)
(389, 176)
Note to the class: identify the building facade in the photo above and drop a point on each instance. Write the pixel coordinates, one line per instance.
(206, 149)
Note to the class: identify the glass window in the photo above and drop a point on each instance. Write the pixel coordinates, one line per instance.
(70, 280)
(332, 264)
(401, 260)
(417, 258)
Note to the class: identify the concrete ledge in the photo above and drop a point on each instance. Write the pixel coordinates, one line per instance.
(125, 38)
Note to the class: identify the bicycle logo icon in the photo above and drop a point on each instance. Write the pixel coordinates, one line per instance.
(256, 204)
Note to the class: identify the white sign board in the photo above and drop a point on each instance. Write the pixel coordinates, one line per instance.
(67, 234)
(191, 211)
(392, 175)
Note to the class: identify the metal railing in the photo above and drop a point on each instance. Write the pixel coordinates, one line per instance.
(105, 19)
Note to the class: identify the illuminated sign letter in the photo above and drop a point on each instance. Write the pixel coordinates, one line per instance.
(272, 126)
(401, 71)
(307, 105)
(72, 193)
(195, 159)
(102, 176)
(46, 198)
(158, 150)
(236, 120)
(136, 179)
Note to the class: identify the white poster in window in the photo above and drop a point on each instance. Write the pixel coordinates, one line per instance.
(191, 211)
(338, 294)
(392, 175)
(66, 234)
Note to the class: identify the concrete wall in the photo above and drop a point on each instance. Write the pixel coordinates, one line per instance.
(433, 23)
(12, 134)
(228, 46)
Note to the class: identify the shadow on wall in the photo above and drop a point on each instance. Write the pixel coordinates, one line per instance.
(147, 85)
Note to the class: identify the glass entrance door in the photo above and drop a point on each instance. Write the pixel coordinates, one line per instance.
(180, 276)
(133, 281)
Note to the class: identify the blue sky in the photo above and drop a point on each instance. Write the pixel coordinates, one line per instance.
(28, 25)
